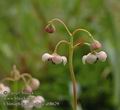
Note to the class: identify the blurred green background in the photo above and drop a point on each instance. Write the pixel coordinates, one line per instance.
(23, 41)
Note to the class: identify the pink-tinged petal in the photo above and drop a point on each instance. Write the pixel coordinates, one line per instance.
(95, 45)
(56, 59)
(102, 56)
(27, 89)
(91, 58)
(84, 59)
(35, 83)
(46, 57)
(38, 101)
(4, 90)
(27, 104)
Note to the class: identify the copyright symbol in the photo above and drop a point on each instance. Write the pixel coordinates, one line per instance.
(5, 92)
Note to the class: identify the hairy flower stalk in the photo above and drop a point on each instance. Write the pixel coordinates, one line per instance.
(90, 58)
(71, 47)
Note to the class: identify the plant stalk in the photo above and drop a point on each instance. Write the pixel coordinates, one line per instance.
(74, 102)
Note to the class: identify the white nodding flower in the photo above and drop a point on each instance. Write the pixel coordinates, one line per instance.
(46, 57)
(55, 58)
(102, 56)
(93, 57)
(4, 90)
(90, 58)
(26, 104)
(32, 101)
(38, 101)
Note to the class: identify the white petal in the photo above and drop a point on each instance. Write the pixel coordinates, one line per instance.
(7, 90)
(38, 101)
(4, 90)
(40, 98)
(35, 83)
(102, 56)
(91, 58)
(27, 104)
(46, 57)
(84, 59)
(64, 59)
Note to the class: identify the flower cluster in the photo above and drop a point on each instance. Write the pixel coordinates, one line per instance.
(92, 57)
(30, 84)
(32, 101)
(54, 58)
(4, 90)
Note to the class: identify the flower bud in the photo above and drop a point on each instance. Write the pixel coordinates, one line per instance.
(34, 84)
(95, 45)
(50, 28)
(46, 57)
(28, 89)
(102, 56)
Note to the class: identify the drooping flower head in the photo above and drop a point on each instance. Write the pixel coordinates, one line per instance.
(38, 101)
(32, 101)
(93, 57)
(4, 90)
(90, 58)
(55, 58)
(102, 56)
(95, 53)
